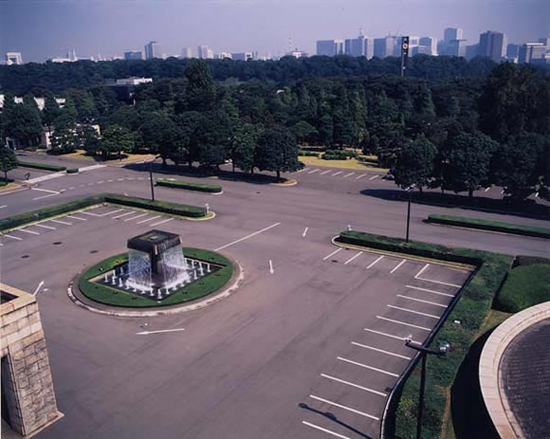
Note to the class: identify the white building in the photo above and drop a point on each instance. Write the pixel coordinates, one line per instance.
(133, 81)
(152, 50)
(242, 56)
(39, 102)
(529, 52)
(14, 58)
(224, 55)
(186, 53)
(205, 52)
(427, 45)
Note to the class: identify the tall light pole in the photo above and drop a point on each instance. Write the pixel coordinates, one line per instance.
(424, 352)
(409, 190)
(151, 178)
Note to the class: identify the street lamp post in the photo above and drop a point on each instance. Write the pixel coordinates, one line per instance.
(151, 180)
(409, 190)
(424, 352)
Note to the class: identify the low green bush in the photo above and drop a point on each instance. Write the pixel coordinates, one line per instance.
(496, 226)
(42, 166)
(159, 206)
(201, 187)
(530, 260)
(332, 157)
(304, 153)
(525, 286)
(72, 171)
(339, 154)
(472, 308)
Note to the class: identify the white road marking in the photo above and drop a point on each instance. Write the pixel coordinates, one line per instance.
(91, 184)
(45, 177)
(502, 191)
(28, 231)
(90, 213)
(111, 212)
(148, 219)
(341, 436)
(536, 194)
(376, 392)
(100, 182)
(361, 176)
(385, 372)
(38, 288)
(248, 236)
(61, 222)
(271, 267)
(301, 170)
(110, 181)
(130, 178)
(136, 217)
(325, 172)
(45, 196)
(91, 168)
(372, 264)
(71, 188)
(344, 407)
(487, 188)
(45, 227)
(141, 178)
(380, 350)
(161, 222)
(331, 254)
(45, 190)
(374, 177)
(305, 232)
(124, 214)
(76, 218)
(13, 237)
(347, 175)
(5, 205)
(337, 173)
(399, 322)
(422, 301)
(120, 179)
(429, 291)
(352, 258)
(421, 271)
(314, 171)
(398, 265)
(413, 312)
(390, 335)
(162, 331)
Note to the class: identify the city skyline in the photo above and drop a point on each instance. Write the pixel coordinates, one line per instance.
(265, 26)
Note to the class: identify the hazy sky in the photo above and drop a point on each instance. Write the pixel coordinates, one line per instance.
(43, 28)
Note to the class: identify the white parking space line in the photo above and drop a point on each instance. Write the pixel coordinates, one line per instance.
(148, 219)
(361, 176)
(76, 218)
(28, 231)
(487, 188)
(422, 301)
(61, 222)
(347, 175)
(5, 205)
(13, 237)
(380, 350)
(429, 291)
(397, 266)
(349, 409)
(352, 258)
(45, 190)
(376, 392)
(372, 264)
(331, 254)
(421, 271)
(124, 214)
(314, 171)
(301, 170)
(111, 212)
(90, 213)
(413, 312)
(336, 173)
(161, 222)
(374, 177)
(248, 236)
(396, 337)
(45, 227)
(325, 172)
(385, 372)
(399, 322)
(332, 433)
(136, 217)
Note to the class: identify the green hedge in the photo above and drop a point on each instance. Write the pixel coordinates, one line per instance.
(525, 286)
(114, 297)
(201, 187)
(43, 166)
(470, 310)
(304, 153)
(496, 226)
(48, 212)
(72, 171)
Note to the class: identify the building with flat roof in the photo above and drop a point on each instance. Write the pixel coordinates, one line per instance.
(205, 52)
(426, 45)
(529, 52)
(242, 56)
(152, 50)
(330, 47)
(133, 55)
(186, 53)
(14, 58)
(452, 33)
(491, 45)
(386, 46)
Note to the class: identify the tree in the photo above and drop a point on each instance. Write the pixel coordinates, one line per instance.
(158, 133)
(518, 164)
(65, 140)
(89, 139)
(8, 161)
(201, 90)
(244, 146)
(277, 151)
(467, 160)
(51, 111)
(214, 138)
(184, 149)
(415, 164)
(304, 131)
(116, 139)
(22, 122)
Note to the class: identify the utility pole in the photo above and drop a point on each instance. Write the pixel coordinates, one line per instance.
(404, 54)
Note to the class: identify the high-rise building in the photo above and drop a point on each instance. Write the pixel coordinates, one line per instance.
(472, 51)
(530, 52)
(186, 52)
(456, 48)
(223, 55)
(133, 55)
(512, 51)
(14, 58)
(452, 33)
(330, 47)
(386, 46)
(491, 44)
(205, 52)
(152, 50)
(427, 45)
(242, 56)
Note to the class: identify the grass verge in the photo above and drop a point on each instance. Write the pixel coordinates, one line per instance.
(114, 297)
(191, 186)
(495, 226)
(345, 164)
(470, 308)
(43, 166)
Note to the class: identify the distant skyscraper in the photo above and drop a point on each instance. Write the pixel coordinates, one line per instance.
(472, 51)
(223, 55)
(71, 55)
(152, 50)
(427, 45)
(384, 47)
(530, 52)
(512, 51)
(133, 55)
(242, 56)
(491, 44)
(205, 52)
(456, 48)
(186, 52)
(360, 46)
(14, 58)
(330, 47)
(452, 33)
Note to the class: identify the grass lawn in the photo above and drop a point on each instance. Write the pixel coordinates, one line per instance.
(345, 164)
(81, 154)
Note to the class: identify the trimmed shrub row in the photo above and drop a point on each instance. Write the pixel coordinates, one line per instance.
(303, 153)
(495, 226)
(48, 212)
(72, 171)
(342, 153)
(201, 187)
(471, 310)
(43, 166)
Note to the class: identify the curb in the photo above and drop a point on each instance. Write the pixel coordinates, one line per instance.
(285, 184)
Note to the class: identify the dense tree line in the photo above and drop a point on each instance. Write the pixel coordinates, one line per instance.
(39, 78)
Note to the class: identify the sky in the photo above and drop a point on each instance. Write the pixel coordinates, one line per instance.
(40, 29)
